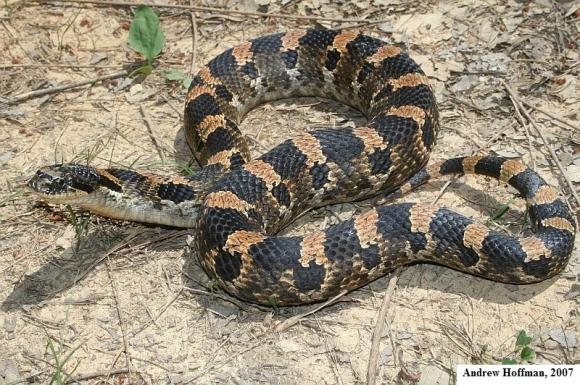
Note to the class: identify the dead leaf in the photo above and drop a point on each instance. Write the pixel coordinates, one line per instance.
(564, 87)
(465, 83)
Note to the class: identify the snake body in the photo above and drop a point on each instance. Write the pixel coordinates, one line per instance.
(238, 205)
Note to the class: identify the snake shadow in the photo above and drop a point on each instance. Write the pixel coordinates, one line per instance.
(71, 265)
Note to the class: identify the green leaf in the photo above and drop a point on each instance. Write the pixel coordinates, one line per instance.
(274, 304)
(484, 349)
(173, 74)
(523, 339)
(527, 353)
(145, 34)
(186, 83)
(502, 210)
(176, 75)
(212, 286)
(509, 361)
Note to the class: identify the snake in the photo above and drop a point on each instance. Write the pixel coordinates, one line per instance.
(237, 206)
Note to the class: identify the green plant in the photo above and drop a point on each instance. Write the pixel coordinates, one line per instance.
(80, 224)
(274, 304)
(88, 155)
(60, 377)
(503, 208)
(69, 24)
(177, 75)
(185, 168)
(146, 37)
(522, 351)
(211, 286)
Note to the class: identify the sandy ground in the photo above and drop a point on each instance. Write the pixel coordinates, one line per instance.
(130, 304)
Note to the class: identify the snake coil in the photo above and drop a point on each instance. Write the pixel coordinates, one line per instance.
(237, 205)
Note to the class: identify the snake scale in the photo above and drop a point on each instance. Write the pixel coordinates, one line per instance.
(238, 205)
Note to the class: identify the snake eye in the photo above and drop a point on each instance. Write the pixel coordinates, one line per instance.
(59, 184)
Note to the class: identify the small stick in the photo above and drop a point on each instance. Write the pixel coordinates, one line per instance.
(442, 190)
(213, 9)
(151, 134)
(550, 149)
(16, 39)
(51, 65)
(138, 359)
(495, 137)
(240, 305)
(227, 360)
(526, 130)
(170, 104)
(120, 316)
(103, 373)
(54, 90)
(295, 319)
(162, 237)
(365, 24)
(331, 356)
(194, 38)
(378, 331)
(547, 113)
(154, 319)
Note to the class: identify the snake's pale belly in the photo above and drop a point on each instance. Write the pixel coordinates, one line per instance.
(244, 203)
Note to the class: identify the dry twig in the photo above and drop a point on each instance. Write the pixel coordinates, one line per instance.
(443, 189)
(193, 38)
(134, 358)
(26, 379)
(526, 131)
(228, 298)
(138, 330)
(54, 90)
(124, 242)
(229, 359)
(295, 319)
(16, 40)
(102, 373)
(120, 316)
(378, 332)
(555, 117)
(215, 10)
(58, 65)
(151, 134)
(331, 356)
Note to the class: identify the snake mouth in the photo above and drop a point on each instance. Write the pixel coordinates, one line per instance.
(63, 183)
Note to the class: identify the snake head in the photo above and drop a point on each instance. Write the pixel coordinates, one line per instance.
(120, 194)
(63, 183)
